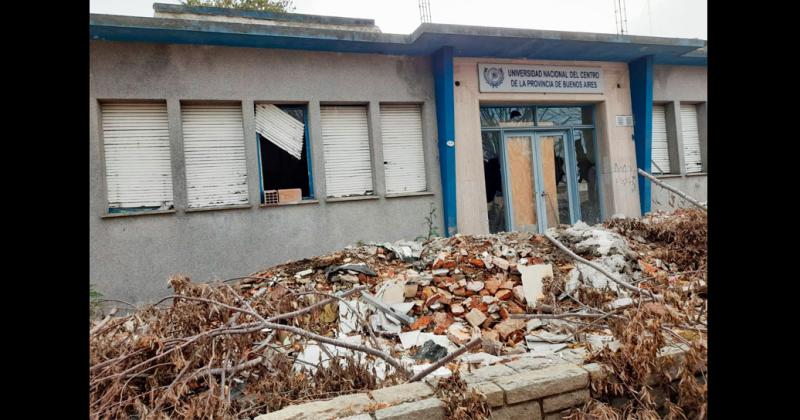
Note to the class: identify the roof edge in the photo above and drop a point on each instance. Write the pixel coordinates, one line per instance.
(257, 14)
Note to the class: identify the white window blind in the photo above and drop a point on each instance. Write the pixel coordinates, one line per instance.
(213, 144)
(401, 133)
(280, 128)
(660, 142)
(691, 139)
(137, 155)
(345, 141)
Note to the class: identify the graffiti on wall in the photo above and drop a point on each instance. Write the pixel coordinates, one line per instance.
(624, 176)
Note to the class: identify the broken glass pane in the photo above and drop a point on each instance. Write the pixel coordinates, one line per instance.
(586, 168)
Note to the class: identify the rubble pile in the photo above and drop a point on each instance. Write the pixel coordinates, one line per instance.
(380, 313)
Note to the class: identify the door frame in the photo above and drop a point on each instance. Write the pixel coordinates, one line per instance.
(538, 175)
(572, 179)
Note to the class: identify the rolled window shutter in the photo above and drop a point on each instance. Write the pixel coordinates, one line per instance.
(401, 133)
(660, 141)
(137, 154)
(691, 139)
(213, 144)
(345, 141)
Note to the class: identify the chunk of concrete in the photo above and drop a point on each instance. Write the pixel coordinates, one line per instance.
(532, 276)
(409, 339)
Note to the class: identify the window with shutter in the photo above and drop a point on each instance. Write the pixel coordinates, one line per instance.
(345, 142)
(284, 153)
(137, 156)
(403, 155)
(660, 141)
(691, 139)
(213, 144)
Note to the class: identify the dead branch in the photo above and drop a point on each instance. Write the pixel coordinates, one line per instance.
(600, 269)
(303, 333)
(557, 316)
(441, 362)
(673, 189)
(105, 320)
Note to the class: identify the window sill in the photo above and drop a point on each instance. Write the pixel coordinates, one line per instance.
(410, 194)
(355, 198)
(297, 203)
(698, 174)
(667, 176)
(136, 213)
(238, 206)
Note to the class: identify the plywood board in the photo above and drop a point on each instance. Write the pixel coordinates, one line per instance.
(547, 155)
(520, 176)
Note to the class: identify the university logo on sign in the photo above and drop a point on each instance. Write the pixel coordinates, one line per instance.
(493, 76)
(539, 78)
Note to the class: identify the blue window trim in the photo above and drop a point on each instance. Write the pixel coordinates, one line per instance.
(308, 153)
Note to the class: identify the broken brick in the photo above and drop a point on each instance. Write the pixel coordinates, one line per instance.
(475, 317)
(508, 326)
(421, 322)
(503, 294)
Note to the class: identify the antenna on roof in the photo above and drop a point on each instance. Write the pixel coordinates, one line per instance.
(425, 11)
(620, 17)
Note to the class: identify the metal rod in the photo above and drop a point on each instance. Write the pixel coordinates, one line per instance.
(673, 189)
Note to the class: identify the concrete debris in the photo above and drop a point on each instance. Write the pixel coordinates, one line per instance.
(409, 339)
(405, 250)
(532, 281)
(355, 268)
(458, 333)
(621, 303)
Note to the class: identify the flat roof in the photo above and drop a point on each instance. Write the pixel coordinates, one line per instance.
(257, 14)
(467, 41)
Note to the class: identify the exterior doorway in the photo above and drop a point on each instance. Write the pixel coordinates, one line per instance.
(540, 167)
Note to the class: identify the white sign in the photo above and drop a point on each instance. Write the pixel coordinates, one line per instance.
(624, 120)
(504, 77)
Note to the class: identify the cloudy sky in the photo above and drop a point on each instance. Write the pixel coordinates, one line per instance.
(668, 18)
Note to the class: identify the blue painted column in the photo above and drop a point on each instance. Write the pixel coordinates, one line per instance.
(446, 125)
(641, 73)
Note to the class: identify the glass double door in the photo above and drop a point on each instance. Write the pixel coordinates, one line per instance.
(540, 180)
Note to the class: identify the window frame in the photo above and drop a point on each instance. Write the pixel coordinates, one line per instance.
(307, 144)
(113, 212)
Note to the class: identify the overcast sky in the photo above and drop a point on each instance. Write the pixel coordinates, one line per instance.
(668, 18)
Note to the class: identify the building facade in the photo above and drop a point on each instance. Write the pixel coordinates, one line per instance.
(223, 141)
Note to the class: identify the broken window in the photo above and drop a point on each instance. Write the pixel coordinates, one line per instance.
(345, 141)
(547, 116)
(586, 168)
(504, 116)
(137, 156)
(403, 152)
(213, 144)
(283, 153)
(493, 177)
